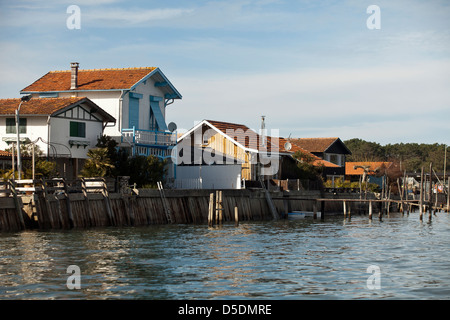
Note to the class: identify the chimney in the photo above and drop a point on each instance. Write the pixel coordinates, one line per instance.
(74, 75)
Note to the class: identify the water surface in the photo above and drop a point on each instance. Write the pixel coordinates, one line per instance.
(303, 259)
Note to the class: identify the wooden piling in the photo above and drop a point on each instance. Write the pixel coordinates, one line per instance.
(430, 199)
(322, 210)
(344, 208)
(448, 195)
(236, 216)
(220, 209)
(370, 210)
(421, 195)
(315, 210)
(211, 209)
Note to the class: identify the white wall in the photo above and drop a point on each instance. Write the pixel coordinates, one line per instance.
(109, 101)
(213, 176)
(36, 127)
(60, 133)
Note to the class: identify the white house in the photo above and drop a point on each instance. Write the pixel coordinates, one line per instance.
(63, 128)
(136, 97)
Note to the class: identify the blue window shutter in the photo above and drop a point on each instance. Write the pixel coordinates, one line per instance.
(133, 113)
(157, 114)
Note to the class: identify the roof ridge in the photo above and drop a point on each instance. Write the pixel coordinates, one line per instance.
(107, 69)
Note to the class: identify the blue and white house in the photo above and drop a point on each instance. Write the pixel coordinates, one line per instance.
(136, 97)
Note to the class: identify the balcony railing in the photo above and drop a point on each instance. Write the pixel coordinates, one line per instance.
(149, 137)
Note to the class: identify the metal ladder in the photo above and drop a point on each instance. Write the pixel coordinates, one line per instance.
(269, 199)
(164, 201)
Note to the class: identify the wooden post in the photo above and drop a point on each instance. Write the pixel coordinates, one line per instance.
(217, 206)
(315, 210)
(236, 216)
(448, 195)
(345, 208)
(421, 195)
(107, 202)
(211, 209)
(86, 198)
(17, 204)
(430, 200)
(68, 204)
(322, 210)
(220, 207)
(370, 210)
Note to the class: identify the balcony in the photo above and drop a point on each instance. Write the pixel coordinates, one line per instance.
(148, 142)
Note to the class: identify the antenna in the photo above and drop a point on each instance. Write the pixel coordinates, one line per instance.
(263, 131)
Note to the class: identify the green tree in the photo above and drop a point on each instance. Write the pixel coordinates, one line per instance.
(145, 171)
(307, 169)
(118, 156)
(98, 163)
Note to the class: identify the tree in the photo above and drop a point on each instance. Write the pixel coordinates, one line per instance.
(307, 169)
(145, 171)
(98, 163)
(118, 156)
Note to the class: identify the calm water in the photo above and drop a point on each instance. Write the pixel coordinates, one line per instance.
(304, 259)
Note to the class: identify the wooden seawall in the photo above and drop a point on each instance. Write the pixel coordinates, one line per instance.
(60, 207)
(138, 208)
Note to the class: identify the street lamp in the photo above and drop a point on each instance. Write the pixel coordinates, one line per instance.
(19, 163)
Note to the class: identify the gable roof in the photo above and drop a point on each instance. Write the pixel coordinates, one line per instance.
(319, 144)
(100, 80)
(49, 107)
(373, 167)
(249, 140)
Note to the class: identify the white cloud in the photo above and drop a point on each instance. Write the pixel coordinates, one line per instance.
(336, 102)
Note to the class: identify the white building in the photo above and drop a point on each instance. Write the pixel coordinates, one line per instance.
(136, 97)
(63, 128)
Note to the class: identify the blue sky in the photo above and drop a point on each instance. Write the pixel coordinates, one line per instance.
(313, 68)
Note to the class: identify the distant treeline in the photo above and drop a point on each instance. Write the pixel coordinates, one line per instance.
(411, 156)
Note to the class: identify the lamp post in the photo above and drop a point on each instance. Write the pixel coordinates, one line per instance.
(19, 162)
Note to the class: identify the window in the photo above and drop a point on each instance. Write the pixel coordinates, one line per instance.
(78, 129)
(11, 125)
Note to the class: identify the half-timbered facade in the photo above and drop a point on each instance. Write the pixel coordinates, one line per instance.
(63, 128)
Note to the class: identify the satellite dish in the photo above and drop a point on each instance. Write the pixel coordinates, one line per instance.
(172, 127)
(288, 146)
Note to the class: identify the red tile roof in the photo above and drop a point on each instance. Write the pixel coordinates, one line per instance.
(373, 167)
(5, 153)
(49, 106)
(90, 79)
(41, 106)
(314, 144)
(250, 139)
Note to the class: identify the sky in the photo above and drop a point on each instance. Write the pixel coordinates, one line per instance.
(312, 68)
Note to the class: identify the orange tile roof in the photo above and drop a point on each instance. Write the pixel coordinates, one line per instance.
(239, 132)
(373, 167)
(314, 144)
(90, 79)
(5, 153)
(41, 106)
